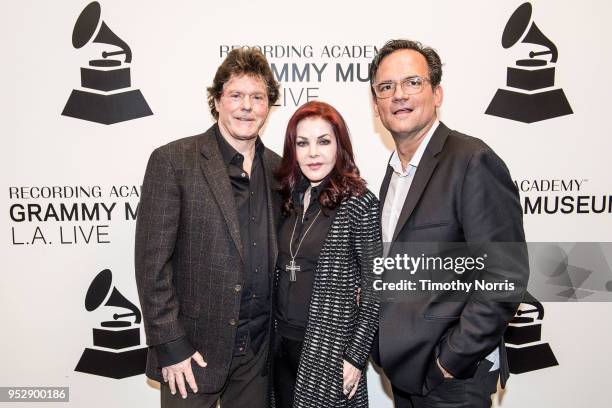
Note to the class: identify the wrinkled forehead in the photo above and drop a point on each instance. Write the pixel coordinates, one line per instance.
(245, 83)
(401, 64)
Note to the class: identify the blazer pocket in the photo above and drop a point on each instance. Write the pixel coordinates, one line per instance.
(445, 310)
(431, 225)
(436, 317)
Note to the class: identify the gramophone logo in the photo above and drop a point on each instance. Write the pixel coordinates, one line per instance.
(116, 351)
(106, 96)
(523, 337)
(531, 96)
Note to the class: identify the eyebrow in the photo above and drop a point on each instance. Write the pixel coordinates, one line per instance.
(404, 77)
(318, 137)
(234, 90)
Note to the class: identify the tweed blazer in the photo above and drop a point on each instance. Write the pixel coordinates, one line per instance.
(189, 261)
(338, 326)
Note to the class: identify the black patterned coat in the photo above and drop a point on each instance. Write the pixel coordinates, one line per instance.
(337, 326)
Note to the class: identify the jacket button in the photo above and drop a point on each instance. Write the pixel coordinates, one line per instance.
(237, 288)
(232, 322)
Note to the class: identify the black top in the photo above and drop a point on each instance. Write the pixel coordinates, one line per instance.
(252, 206)
(293, 300)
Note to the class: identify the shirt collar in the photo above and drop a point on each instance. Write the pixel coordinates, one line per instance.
(395, 162)
(315, 191)
(229, 154)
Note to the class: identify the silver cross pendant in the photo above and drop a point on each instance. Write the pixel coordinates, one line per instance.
(292, 268)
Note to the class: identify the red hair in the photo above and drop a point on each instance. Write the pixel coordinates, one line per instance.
(344, 180)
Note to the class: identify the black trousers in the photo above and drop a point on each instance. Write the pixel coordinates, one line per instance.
(245, 386)
(473, 392)
(286, 360)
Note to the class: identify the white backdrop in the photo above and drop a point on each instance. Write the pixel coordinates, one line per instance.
(177, 47)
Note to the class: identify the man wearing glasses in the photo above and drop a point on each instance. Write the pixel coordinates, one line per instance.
(440, 186)
(206, 246)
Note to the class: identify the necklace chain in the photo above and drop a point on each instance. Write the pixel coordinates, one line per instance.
(303, 236)
(293, 267)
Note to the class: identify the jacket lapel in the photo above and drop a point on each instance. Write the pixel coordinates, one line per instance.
(215, 172)
(272, 204)
(384, 187)
(426, 167)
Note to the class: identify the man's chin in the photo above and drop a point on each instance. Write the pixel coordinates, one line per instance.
(245, 136)
(402, 128)
(248, 132)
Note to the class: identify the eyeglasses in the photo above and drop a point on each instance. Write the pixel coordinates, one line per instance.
(410, 86)
(238, 97)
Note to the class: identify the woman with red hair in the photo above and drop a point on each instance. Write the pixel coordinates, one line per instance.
(326, 311)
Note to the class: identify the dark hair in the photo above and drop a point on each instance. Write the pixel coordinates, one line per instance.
(344, 178)
(434, 64)
(238, 62)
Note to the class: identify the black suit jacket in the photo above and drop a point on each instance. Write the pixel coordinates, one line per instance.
(461, 192)
(188, 253)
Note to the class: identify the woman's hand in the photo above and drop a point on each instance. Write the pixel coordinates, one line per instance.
(351, 376)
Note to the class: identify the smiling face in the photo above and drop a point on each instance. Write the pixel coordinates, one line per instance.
(315, 148)
(406, 116)
(243, 107)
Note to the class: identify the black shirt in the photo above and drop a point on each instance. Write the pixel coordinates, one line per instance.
(293, 300)
(250, 193)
